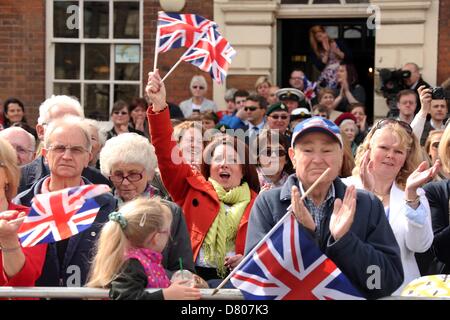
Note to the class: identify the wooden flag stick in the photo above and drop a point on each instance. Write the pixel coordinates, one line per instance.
(289, 211)
(155, 61)
(189, 49)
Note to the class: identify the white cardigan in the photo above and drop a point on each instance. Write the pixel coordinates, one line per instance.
(411, 236)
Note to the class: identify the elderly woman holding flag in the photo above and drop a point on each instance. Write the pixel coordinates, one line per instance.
(19, 266)
(67, 148)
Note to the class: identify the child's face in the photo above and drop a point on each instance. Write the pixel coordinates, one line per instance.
(157, 241)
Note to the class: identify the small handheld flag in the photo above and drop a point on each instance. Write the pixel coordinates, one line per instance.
(58, 215)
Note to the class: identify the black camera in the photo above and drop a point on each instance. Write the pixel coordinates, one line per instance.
(437, 93)
(392, 81)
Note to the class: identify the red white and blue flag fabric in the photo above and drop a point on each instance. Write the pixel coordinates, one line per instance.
(58, 215)
(212, 53)
(180, 30)
(290, 266)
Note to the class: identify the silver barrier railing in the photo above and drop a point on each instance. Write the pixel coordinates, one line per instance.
(91, 293)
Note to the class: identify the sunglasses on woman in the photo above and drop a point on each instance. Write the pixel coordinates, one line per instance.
(269, 152)
(198, 87)
(122, 113)
(403, 124)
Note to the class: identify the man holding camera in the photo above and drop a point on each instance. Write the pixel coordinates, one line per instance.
(414, 81)
(433, 102)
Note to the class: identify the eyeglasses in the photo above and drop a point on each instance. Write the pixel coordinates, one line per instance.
(403, 124)
(61, 149)
(198, 87)
(276, 117)
(250, 108)
(269, 152)
(118, 177)
(122, 113)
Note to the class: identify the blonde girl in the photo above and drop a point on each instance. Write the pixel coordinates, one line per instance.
(128, 258)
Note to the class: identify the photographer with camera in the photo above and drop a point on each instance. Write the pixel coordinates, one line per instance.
(434, 103)
(394, 81)
(414, 81)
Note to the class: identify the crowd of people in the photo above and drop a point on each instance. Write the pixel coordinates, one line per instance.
(198, 193)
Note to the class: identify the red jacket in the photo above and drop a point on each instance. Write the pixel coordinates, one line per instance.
(34, 261)
(189, 189)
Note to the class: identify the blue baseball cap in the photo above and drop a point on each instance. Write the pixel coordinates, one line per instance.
(316, 124)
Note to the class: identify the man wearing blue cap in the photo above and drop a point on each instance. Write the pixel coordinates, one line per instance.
(349, 226)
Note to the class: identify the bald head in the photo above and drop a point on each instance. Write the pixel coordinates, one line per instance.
(22, 141)
(415, 73)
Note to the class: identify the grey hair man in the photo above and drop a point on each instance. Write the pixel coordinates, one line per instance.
(67, 147)
(22, 141)
(51, 109)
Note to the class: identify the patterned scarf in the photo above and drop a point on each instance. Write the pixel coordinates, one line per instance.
(222, 233)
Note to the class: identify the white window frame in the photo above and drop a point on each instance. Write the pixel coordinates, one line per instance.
(51, 41)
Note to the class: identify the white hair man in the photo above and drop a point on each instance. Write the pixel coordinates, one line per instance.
(67, 148)
(51, 109)
(21, 140)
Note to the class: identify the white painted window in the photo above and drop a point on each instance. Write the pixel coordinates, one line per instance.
(94, 52)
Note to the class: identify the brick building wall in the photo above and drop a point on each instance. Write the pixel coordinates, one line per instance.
(22, 53)
(177, 84)
(443, 70)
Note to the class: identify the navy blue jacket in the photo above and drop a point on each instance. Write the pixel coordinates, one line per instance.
(80, 248)
(369, 242)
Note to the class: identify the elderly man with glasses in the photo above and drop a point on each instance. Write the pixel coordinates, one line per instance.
(50, 110)
(67, 150)
(22, 141)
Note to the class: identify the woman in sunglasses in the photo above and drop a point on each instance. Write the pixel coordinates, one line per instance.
(388, 165)
(197, 102)
(129, 161)
(120, 117)
(274, 165)
(215, 202)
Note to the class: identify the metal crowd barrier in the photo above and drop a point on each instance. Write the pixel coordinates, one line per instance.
(90, 293)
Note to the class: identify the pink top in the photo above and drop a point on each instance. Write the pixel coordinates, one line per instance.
(151, 261)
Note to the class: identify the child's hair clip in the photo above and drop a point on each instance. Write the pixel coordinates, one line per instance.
(143, 219)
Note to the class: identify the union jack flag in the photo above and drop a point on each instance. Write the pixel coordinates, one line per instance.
(180, 30)
(58, 215)
(289, 266)
(212, 53)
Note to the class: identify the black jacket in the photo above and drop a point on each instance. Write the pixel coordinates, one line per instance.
(438, 198)
(37, 169)
(131, 282)
(73, 270)
(369, 242)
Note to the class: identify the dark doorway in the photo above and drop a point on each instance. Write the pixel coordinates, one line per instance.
(294, 50)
